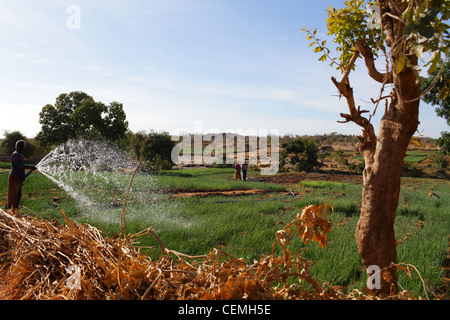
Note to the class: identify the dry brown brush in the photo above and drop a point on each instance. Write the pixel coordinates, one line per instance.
(36, 257)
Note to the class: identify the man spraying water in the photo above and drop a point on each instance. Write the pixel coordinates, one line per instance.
(17, 175)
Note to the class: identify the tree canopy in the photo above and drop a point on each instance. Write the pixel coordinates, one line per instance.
(436, 90)
(77, 115)
(8, 145)
(305, 154)
(155, 148)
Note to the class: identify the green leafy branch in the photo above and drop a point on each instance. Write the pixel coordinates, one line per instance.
(426, 25)
(320, 47)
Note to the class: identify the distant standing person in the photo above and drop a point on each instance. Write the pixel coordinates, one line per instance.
(237, 167)
(16, 176)
(244, 171)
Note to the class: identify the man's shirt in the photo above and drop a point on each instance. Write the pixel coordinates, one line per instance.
(18, 165)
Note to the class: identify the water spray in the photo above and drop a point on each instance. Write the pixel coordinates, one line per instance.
(97, 175)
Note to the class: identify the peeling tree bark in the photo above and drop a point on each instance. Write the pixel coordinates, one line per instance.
(383, 154)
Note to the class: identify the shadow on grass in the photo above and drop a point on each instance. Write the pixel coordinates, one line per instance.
(409, 212)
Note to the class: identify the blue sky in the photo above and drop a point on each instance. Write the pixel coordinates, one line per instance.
(232, 65)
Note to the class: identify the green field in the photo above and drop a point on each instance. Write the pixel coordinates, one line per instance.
(245, 225)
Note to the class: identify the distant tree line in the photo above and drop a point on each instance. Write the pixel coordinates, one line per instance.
(78, 115)
(323, 139)
(32, 150)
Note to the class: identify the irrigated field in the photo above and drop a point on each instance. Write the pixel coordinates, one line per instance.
(194, 210)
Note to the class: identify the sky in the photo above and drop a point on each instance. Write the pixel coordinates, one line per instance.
(180, 65)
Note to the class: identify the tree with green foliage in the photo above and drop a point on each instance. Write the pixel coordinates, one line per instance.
(400, 32)
(304, 154)
(444, 143)
(135, 141)
(8, 144)
(78, 115)
(436, 90)
(154, 148)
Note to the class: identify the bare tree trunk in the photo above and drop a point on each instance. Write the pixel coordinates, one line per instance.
(375, 234)
(384, 154)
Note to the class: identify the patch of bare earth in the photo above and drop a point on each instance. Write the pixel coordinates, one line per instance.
(296, 177)
(183, 193)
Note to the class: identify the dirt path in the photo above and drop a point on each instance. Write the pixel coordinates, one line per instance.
(295, 178)
(183, 193)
